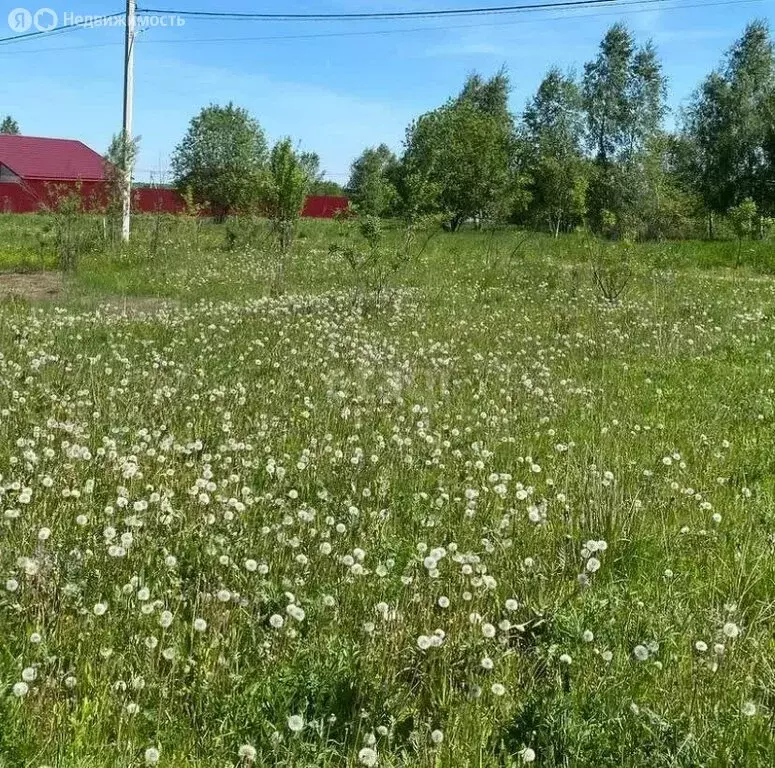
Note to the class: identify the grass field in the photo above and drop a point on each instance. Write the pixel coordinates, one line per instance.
(495, 520)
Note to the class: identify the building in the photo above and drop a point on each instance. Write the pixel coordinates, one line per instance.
(35, 172)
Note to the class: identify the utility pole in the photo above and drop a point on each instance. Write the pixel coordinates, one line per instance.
(129, 74)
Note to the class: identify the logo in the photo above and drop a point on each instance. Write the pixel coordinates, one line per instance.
(45, 19)
(21, 20)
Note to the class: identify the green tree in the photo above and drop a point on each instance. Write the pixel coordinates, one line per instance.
(461, 156)
(488, 96)
(283, 191)
(221, 158)
(558, 171)
(327, 187)
(318, 183)
(371, 185)
(623, 92)
(743, 217)
(310, 162)
(730, 126)
(709, 146)
(9, 125)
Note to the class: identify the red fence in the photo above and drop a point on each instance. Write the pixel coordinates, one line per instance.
(32, 196)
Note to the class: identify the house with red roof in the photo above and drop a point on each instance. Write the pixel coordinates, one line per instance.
(35, 172)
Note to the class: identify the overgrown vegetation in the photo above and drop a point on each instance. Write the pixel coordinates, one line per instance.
(381, 492)
(500, 520)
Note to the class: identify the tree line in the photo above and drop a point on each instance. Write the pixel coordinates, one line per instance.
(592, 150)
(589, 150)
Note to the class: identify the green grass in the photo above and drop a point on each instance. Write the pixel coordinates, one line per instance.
(504, 414)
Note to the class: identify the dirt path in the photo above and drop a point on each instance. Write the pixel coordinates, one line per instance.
(51, 286)
(32, 286)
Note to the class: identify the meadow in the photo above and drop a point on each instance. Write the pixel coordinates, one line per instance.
(493, 519)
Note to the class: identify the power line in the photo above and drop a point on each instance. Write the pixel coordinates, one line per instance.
(383, 15)
(378, 32)
(406, 30)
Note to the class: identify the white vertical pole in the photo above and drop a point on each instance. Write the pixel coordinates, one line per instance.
(129, 67)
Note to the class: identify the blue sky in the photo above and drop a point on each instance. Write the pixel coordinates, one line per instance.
(334, 94)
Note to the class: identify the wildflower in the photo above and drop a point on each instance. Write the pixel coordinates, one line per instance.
(528, 755)
(200, 625)
(20, 690)
(641, 653)
(100, 609)
(498, 689)
(152, 756)
(731, 630)
(368, 757)
(29, 674)
(247, 752)
(437, 736)
(749, 709)
(296, 723)
(276, 621)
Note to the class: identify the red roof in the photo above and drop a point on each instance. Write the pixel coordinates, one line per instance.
(31, 157)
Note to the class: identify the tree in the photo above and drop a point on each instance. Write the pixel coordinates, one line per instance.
(310, 162)
(283, 190)
(327, 187)
(623, 92)
(665, 203)
(743, 218)
(462, 155)
(709, 146)
(371, 184)
(730, 126)
(220, 158)
(488, 96)
(9, 125)
(554, 133)
(318, 183)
